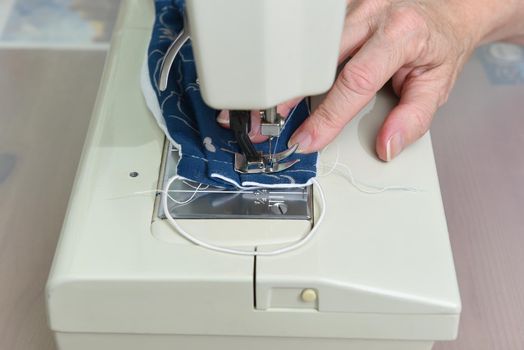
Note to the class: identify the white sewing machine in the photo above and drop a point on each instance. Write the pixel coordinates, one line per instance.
(379, 275)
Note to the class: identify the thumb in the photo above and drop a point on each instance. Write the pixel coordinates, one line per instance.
(411, 118)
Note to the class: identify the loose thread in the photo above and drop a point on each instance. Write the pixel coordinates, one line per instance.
(359, 185)
(292, 246)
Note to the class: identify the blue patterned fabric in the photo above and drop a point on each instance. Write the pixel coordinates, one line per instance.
(191, 124)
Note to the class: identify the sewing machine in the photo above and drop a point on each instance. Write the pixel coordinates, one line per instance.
(379, 275)
(251, 55)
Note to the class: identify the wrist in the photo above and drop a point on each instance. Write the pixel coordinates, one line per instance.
(514, 29)
(484, 21)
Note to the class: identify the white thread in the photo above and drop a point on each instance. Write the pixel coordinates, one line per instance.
(375, 190)
(334, 166)
(359, 185)
(192, 186)
(293, 246)
(167, 193)
(187, 200)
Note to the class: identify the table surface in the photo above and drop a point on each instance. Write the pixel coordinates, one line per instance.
(47, 96)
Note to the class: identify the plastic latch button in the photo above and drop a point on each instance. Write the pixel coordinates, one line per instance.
(309, 295)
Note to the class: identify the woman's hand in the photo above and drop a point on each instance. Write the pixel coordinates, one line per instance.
(421, 46)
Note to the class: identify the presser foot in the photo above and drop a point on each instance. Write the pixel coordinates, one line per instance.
(265, 163)
(251, 161)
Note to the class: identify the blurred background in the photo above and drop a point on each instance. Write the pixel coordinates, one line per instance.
(52, 55)
(57, 23)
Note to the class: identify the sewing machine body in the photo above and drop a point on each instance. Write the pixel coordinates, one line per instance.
(378, 276)
(253, 54)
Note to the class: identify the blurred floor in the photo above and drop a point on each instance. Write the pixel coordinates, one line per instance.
(46, 98)
(47, 92)
(478, 138)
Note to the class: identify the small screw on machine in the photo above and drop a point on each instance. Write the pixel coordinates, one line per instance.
(279, 208)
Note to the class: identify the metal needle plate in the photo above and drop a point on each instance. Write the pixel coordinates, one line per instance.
(217, 203)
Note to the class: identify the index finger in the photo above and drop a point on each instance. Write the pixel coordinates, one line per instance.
(372, 66)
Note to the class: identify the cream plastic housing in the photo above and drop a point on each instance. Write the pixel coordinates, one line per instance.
(253, 54)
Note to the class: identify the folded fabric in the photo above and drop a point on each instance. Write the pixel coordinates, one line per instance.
(206, 148)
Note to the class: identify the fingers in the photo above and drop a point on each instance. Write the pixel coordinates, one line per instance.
(254, 133)
(357, 84)
(411, 118)
(223, 118)
(361, 22)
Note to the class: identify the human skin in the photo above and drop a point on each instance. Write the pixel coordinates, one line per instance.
(421, 46)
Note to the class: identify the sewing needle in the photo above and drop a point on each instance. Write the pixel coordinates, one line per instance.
(270, 153)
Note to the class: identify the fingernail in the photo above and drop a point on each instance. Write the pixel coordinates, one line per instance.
(303, 139)
(223, 118)
(394, 146)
